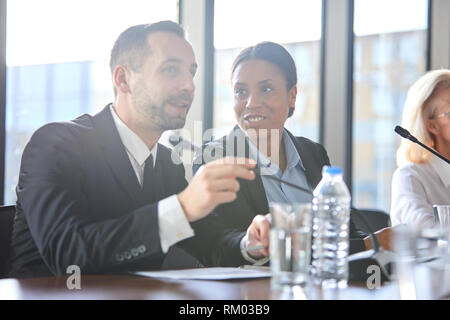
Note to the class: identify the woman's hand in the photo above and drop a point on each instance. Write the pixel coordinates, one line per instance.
(258, 235)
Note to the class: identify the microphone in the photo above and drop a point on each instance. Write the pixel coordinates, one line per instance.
(405, 134)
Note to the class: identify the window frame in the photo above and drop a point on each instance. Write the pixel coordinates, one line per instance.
(339, 146)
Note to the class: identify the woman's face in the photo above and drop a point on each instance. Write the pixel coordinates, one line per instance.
(439, 125)
(261, 96)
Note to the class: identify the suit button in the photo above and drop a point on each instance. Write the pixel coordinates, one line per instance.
(119, 257)
(135, 252)
(127, 255)
(142, 248)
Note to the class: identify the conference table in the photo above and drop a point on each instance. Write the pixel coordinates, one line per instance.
(133, 287)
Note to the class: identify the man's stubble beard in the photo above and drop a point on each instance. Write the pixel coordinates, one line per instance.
(152, 113)
(156, 115)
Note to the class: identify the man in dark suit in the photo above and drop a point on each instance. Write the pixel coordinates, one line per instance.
(99, 192)
(243, 222)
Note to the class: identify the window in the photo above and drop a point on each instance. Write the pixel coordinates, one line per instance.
(297, 25)
(389, 55)
(57, 57)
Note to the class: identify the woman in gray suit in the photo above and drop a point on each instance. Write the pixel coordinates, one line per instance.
(264, 81)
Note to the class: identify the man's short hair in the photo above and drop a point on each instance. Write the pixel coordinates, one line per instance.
(131, 48)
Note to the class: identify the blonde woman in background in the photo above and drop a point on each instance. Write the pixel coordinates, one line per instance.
(422, 179)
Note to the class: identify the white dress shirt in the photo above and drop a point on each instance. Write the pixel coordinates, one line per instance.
(416, 188)
(173, 225)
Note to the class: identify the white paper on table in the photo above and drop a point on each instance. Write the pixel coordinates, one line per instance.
(246, 272)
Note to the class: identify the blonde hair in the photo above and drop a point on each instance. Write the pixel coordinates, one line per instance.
(416, 111)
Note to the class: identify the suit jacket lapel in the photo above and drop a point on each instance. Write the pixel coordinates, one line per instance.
(255, 191)
(115, 153)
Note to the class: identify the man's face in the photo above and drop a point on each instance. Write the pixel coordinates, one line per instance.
(163, 90)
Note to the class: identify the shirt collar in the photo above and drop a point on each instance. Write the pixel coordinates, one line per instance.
(292, 156)
(134, 145)
(442, 169)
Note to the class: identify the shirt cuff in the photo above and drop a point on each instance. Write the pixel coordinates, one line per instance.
(256, 262)
(173, 225)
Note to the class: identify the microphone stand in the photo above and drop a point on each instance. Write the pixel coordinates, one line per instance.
(257, 171)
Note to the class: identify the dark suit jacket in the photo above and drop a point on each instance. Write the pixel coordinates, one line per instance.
(80, 203)
(234, 218)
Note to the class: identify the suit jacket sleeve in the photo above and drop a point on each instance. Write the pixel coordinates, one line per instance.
(223, 232)
(56, 209)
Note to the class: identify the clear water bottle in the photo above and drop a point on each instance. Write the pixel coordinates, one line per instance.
(331, 216)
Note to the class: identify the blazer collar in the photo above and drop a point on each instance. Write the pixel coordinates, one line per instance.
(253, 190)
(115, 153)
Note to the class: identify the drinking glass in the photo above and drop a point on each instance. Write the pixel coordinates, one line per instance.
(290, 243)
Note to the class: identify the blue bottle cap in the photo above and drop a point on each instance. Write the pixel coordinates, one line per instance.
(333, 171)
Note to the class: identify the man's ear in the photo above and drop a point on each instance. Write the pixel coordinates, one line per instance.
(121, 78)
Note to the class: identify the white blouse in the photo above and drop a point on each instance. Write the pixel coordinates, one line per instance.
(416, 188)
